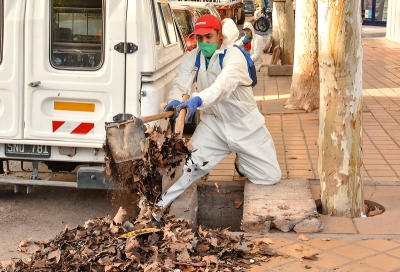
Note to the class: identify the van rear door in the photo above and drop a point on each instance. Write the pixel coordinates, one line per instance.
(11, 68)
(74, 78)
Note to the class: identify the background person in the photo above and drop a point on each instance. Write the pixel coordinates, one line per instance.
(230, 120)
(253, 44)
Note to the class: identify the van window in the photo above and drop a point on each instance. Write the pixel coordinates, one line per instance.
(183, 19)
(1, 29)
(169, 34)
(77, 34)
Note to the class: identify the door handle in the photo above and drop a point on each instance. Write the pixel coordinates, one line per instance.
(34, 83)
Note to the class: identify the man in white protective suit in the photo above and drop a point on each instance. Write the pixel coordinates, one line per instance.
(230, 120)
(253, 44)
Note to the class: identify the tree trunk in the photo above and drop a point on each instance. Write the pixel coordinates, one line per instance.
(275, 30)
(304, 92)
(284, 24)
(340, 128)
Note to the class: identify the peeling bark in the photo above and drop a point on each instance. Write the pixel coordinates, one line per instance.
(340, 130)
(304, 92)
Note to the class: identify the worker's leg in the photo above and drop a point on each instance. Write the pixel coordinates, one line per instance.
(210, 145)
(257, 155)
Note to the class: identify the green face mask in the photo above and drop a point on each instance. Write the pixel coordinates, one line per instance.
(247, 35)
(208, 49)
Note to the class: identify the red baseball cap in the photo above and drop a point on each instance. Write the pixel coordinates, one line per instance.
(205, 24)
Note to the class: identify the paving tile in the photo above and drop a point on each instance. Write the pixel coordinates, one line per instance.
(330, 261)
(222, 172)
(274, 261)
(395, 253)
(378, 244)
(279, 242)
(325, 244)
(299, 250)
(333, 224)
(354, 251)
(383, 261)
(299, 267)
(357, 267)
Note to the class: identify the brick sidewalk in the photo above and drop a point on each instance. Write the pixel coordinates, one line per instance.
(295, 132)
(361, 244)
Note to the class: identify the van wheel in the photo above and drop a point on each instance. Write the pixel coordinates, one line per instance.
(241, 17)
(191, 127)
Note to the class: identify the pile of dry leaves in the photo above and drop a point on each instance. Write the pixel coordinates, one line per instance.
(106, 244)
(163, 152)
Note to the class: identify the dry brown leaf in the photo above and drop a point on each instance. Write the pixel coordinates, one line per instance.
(267, 241)
(203, 233)
(302, 237)
(202, 248)
(238, 204)
(119, 217)
(313, 257)
(299, 249)
(54, 254)
(377, 211)
(154, 267)
(214, 241)
(24, 243)
(210, 259)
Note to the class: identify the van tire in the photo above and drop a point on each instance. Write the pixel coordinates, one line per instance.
(191, 127)
(241, 16)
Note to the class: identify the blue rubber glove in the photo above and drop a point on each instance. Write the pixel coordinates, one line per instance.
(191, 105)
(171, 104)
(246, 40)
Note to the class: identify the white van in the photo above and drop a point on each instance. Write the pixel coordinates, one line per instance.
(67, 67)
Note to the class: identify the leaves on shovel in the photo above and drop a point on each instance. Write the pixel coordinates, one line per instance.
(302, 237)
(313, 257)
(163, 153)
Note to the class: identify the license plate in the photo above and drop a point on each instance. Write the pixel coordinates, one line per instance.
(27, 151)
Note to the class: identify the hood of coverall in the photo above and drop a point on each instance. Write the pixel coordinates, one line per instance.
(230, 32)
(249, 26)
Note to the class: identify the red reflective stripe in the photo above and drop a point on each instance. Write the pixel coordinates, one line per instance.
(83, 128)
(57, 125)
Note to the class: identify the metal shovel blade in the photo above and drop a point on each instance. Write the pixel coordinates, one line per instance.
(126, 139)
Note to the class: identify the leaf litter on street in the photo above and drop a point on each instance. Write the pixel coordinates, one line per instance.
(142, 243)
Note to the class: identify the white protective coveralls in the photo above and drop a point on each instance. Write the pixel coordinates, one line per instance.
(257, 45)
(230, 120)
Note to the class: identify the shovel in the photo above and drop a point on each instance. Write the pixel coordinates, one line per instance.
(126, 137)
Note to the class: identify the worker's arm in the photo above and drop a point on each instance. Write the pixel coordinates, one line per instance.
(178, 84)
(233, 74)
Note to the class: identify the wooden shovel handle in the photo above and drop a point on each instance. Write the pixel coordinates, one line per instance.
(180, 120)
(156, 117)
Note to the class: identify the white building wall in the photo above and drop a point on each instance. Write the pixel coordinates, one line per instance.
(393, 21)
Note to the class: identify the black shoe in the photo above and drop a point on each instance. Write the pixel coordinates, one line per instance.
(236, 163)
